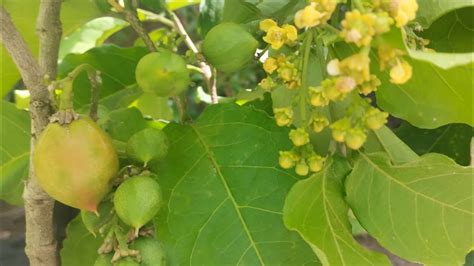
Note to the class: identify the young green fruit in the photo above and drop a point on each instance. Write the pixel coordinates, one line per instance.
(151, 251)
(229, 47)
(163, 73)
(137, 200)
(75, 163)
(148, 144)
(104, 260)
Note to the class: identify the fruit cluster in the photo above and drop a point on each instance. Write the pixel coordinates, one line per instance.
(344, 78)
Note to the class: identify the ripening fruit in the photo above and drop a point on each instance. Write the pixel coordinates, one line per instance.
(148, 144)
(75, 163)
(151, 251)
(229, 47)
(104, 260)
(137, 200)
(163, 73)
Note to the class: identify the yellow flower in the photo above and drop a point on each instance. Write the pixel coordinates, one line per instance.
(339, 129)
(388, 55)
(276, 36)
(403, 11)
(270, 65)
(315, 163)
(319, 123)
(286, 159)
(287, 73)
(317, 97)
(291, 34)
(308, 17)
(358, 28)
(400, 72)
(302, 168)
(355, 138)
(375, 119)
(382, 23)
(266, 24)
(356, 66)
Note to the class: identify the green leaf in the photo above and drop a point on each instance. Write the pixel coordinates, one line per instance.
(90, 35)
(121, 124)
(430, 10)
(117, 67)
(316, 209)
(175, 4)
(156, 107)
(421, 210)
(452, 33)
(14, 151)
(225, 192)
(80, 246)
(210, 14)
(384, 140)
(73, 14)
(451, 140)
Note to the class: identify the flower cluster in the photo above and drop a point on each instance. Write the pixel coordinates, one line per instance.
(285, 70)
(345, 78)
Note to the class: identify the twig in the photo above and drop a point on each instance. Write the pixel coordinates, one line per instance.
(131, 17)
(208, 73)
(96, 81)
(41, 247)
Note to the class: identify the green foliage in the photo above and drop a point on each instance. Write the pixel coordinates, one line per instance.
(452, 140)
(316, 209)
(147, 145)
(116, 65)
(151, 251)
(24, 16)
(233, 200)
(80, 246)
(420, 210)
(14, 152)
(430, 10)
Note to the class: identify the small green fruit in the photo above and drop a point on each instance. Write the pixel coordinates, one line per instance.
(163, 73)
(137, 200)
(151, 251)
(148, 144)
(104, 260)
(229, 47)
(75, 163)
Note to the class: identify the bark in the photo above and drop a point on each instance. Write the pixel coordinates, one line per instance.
(41, 247)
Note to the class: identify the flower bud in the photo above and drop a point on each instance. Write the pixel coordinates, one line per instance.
(333, 67)
(283, 116)
(316, 163)
(345, 84)
(319, 123)
(286, 159)
(267, 84)
(355, 138)
(339, 129)
(401, 72)
(270, 65)
(302, 168)
(317, 97)
(375, 119)
(299, 137)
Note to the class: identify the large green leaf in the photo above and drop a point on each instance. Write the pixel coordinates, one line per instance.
(453, 32)
(14, 151)
(421, 210)
(90, 35)
(73, 14)
(117, 66)
(316, 209)
(384, 140)
(430, 10)
(224, 192)
(80, 246)
(452, 140)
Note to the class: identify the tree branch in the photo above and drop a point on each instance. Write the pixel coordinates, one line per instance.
(41, 245)
(207, 70)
